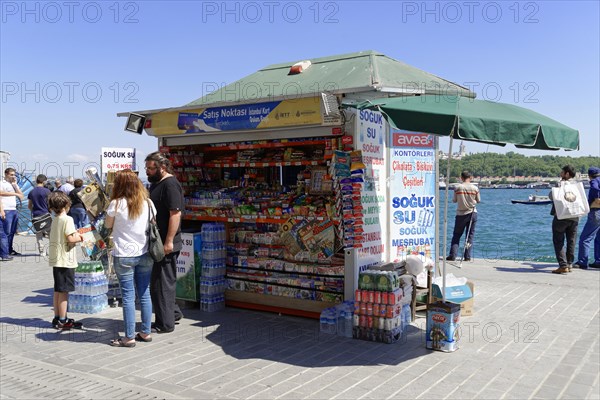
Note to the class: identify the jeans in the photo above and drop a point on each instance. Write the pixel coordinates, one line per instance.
(561, 229)
(80, 217)
(591, 229)
(8, 228)
(134, 277)
(461, 223)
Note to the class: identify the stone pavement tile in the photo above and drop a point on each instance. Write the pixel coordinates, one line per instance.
(577, 390)
(410, 391)
(592, 366)
(463, 394)
(391, 387)
(306, 376)
(322, 394)
(547, 392)
(197, 394)
(248, 391)
(585, 379)
(82, 367)
(297, 393)
(159, 375)
(557, 380)
(166, 387)
(276, 391)
(230, 386)
(518, 393)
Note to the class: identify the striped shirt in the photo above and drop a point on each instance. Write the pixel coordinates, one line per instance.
(466, 195)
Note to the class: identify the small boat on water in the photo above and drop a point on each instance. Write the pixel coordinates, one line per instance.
(534, 199)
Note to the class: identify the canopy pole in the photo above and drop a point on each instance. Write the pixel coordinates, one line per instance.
(446, 217)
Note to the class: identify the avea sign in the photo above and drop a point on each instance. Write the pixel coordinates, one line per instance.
(412, 140)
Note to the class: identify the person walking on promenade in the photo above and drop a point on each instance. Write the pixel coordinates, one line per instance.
(128, 214)
(9, 192)
(77, 208)
(62, 258)
(166, 193)
(564, 229)
(466, 195)
(591, 229)
(38, 205)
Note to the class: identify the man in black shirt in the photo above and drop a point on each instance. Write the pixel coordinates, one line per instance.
(167, 195)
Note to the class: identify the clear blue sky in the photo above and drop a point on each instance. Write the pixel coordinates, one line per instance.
(153, 54)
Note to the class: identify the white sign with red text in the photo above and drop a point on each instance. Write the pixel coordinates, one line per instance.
(117, 159)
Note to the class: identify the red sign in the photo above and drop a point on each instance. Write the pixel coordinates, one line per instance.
(438, 318)
(412, 140)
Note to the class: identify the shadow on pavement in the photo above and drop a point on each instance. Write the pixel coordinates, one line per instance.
(44, 297)
(94, 330)
(246, 334)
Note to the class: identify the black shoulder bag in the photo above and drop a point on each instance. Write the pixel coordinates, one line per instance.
(155, 244)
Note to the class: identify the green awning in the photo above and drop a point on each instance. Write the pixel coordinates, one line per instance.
(475, 120)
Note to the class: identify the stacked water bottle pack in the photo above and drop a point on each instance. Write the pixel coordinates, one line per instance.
(338, 319)
(91, 287)
(212, 281)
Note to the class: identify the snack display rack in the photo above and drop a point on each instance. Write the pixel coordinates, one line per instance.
(278, 204)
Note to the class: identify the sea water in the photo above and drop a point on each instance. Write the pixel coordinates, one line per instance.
(508, 231)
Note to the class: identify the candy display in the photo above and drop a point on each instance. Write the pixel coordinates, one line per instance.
(277, 200)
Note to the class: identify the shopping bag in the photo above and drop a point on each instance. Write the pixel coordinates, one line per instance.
(570, 200)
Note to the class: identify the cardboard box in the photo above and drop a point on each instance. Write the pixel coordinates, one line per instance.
(463, 295)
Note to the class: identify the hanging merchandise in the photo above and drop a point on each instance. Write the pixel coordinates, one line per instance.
(277, 201)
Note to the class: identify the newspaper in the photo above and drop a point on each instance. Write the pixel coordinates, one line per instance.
(94, 199)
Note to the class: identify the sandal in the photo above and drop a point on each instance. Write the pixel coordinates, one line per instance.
(120, 343)
(140, 338)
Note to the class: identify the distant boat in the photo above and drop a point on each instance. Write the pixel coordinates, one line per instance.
(534, 199)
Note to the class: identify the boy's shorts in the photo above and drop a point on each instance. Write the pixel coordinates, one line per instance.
(64, 279)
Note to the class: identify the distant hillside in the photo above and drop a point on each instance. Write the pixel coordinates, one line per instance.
(512, 164)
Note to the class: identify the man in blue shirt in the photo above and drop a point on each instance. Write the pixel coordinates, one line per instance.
(38, 204)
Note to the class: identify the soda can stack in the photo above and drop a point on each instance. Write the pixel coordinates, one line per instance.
(91, 286)
(212, 281)
(378, 307)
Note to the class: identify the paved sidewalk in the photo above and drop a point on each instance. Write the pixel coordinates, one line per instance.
(534, 335)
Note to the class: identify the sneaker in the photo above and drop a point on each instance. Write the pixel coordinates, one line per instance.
(7, 258)
(450, 258)
(579, 266)
(561, 270)
(64, 326)
(69, 324)
(466, 259)
(55, 322)
(595, 265)
(14, 253)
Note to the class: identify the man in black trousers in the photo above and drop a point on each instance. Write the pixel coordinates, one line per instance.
(167, 195)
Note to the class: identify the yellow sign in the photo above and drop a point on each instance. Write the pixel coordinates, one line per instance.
(272, 114)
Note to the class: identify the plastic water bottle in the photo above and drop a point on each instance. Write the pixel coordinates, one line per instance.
(323, 325)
